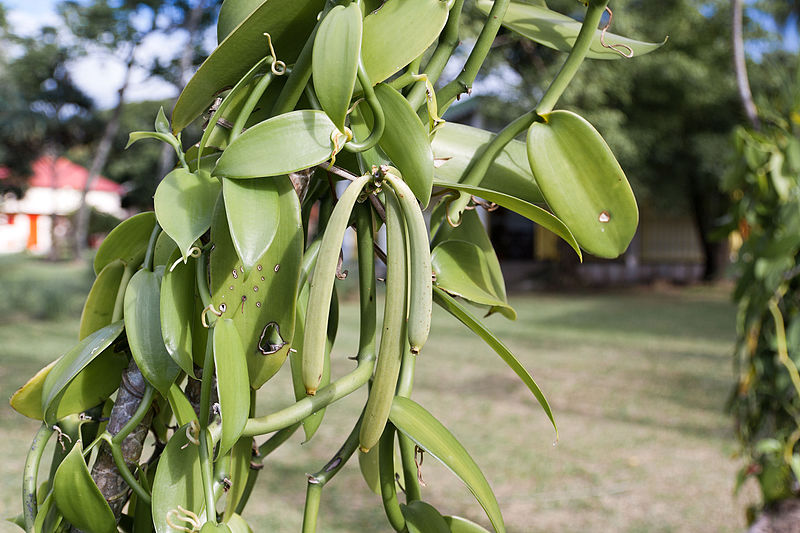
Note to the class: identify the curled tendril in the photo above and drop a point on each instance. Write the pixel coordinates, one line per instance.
(194, 251)
(622, 49)
(209, 307)
(419, 452)
(61, 437)
(278, 67)
(183, 515)
(336, 137)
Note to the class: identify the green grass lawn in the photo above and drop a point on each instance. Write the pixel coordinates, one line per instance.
(637, 381)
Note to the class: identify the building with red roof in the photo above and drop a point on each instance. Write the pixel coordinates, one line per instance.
(53, 193)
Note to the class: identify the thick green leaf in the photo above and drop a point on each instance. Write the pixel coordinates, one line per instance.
(583, 183)
(211, 527)
(534, 213)
(398, 32)
(462, 525)
(78, 498)
(232, 13)
(422, 517)
(557, 31)
(178, 481)
(99, 305)
(163, 137)
(337, 48)
(405, 141)
(184, 203)
(450, 305)
(181, 408)
(143, 327)
(161, 124)
(358, 123)
(48, 518)
(266, 296)
(253, 212)
(72, 364)
(286, 143)
(455, 146)
(176, 304)
(461, 268)
(165, 246)
(471, 230)
(232, 382)
(128, 241)
(238, 473)
(288, 23)
(421, 427)
(368, 464)
(238, 525)
(27, 400)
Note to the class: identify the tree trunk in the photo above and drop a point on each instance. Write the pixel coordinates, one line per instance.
(99, 161)
(740, 67)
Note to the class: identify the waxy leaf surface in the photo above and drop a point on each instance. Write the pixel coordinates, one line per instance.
(455, 146)
(128, 241)
(253, 212)
(532, 212)
(471, 230)
(27, 400)
(583, 183)
(143, 328)
(99, 306)
(184, 202)
(266, 296)
(557, 31)
(421, 427)
(232, 382)
(422, 517)
(178, 481)
(181, 408)
(286, 143)
(335, 57)
(177, 308)
(78, 498)
(287, 22)
(462, 525)
(72, 364)
(405, 141)
(238, 472)
(398, 32)
(461, 268)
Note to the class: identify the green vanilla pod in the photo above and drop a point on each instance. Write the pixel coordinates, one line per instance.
(316, 324)
(390, 352)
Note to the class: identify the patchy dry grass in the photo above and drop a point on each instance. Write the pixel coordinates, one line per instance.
(637, 381)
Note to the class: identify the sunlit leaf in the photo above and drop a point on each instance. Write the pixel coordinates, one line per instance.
(335, 57)
(288, 23)
(455, 146)
(462, 525)
(176, 304)
(184, 203)
(99, 306)
(128, 241)
(461, 268)
(534, 213)
(422, 517)
(253, 213)
(405, 141)
(471, 230)
(78, 498)
(421, 427)
(286, 143)
(232, 381)
(398, 32)
(143, 328)
(178, 480)
(262, 302)
(557, 31)
(72, 363)
(583, 183)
